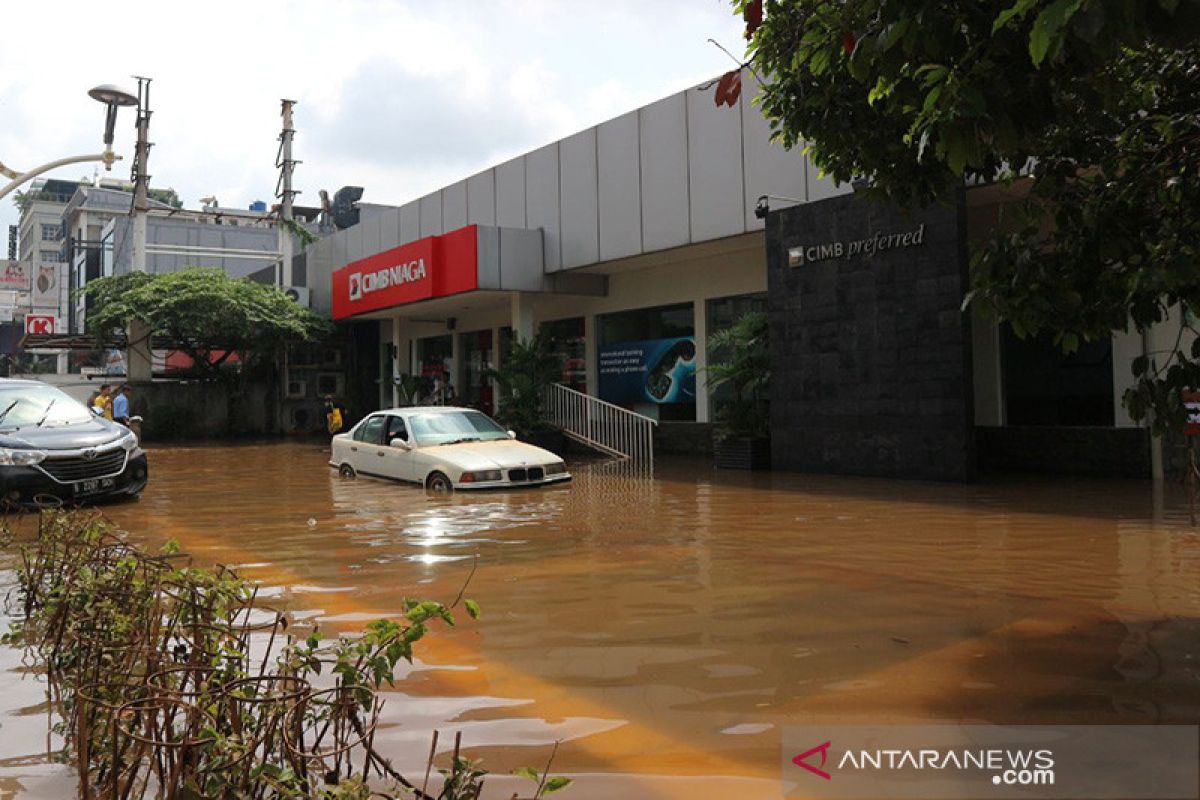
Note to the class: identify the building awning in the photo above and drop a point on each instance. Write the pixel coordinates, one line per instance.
(474, 258)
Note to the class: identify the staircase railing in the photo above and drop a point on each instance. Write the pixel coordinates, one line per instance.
(608, 428)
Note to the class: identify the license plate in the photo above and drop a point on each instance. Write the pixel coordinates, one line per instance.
(94, 485)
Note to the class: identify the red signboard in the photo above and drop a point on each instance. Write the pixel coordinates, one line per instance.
(1191, 401)
(39, 323)
(435, 266)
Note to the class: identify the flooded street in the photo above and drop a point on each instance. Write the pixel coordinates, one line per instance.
(666, 630)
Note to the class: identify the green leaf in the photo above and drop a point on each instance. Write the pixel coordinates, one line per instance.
(892, 34)
(1017, 11)
(528, 772)
(557, 783)
(1048, 28)
(472, 608)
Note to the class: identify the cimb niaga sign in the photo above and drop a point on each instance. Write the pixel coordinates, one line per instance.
(435, 266)
(866, 247)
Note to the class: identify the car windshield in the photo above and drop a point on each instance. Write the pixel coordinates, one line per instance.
(448, 427)
(37, 405)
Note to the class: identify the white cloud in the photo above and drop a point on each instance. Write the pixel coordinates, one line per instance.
(399, 97)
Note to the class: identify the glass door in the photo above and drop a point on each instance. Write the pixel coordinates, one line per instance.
(476, 389)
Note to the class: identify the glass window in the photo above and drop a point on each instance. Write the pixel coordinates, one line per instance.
(52, 233)
(1042, 386)
(435, 356)
(476, 390)
(567, 342)
(454, 426)
(723, 312)
(647, 361)
(371, 431)
(34, 405)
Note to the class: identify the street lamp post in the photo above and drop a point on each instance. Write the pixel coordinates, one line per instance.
(112, 98)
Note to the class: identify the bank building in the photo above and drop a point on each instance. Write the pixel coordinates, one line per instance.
(634, 240)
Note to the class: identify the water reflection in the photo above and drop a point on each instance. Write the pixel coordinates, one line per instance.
(666, 629)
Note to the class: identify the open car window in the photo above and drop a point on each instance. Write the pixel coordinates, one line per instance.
(396, 430)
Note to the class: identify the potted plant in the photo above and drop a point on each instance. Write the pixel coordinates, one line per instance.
(740, 360)
(527, 369)
(408, 388)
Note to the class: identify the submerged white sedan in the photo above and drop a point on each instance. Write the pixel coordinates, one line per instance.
(443, 448)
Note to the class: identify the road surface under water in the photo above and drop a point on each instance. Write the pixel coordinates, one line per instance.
(666, 630)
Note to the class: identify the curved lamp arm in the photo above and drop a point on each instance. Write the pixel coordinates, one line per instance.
(108, 157)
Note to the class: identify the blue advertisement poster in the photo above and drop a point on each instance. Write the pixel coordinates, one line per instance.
(652, 371)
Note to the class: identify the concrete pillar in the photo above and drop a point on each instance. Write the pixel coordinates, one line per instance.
(456, 362)
(522, 316)
(700, 328)
(398, 343)
(497, 360)
(62, 365)
(139, 359)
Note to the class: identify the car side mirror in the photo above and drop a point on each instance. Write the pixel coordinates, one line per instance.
(403, 445)
(512, 434)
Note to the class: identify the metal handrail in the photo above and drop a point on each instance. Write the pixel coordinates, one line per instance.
(606, 427)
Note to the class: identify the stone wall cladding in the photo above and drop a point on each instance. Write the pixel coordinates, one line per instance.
(871, 370)
(1107, 452)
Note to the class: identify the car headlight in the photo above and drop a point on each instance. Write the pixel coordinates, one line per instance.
(20, 458)
(129, 441)
(557, 468)
(480, 476)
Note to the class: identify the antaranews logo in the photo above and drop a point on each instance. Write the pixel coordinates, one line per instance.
(802, 760)
(1030, 762)
(1004, 766)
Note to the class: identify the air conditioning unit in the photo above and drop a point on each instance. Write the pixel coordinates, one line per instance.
(298, 293)
(297, 390)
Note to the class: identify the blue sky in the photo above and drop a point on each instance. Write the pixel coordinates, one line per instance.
(399, 97)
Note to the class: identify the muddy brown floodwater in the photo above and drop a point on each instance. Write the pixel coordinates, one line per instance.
(665, 630)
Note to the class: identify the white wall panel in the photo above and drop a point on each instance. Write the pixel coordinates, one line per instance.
(620, 191)
(769, 168)
(389, 229)
(820, 188)
(431, 215)
(541, 200)
(580, 220)
(454, 206)
(715, 180)
(664, 174)
(510, 193)
(372, 234)
(410, 222)
(354, 248)
(481, 198)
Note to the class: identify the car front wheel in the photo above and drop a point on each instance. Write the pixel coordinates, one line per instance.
(438, 483)
(347, 471)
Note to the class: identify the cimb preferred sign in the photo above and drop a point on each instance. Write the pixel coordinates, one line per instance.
(959, 762)
(866, 247)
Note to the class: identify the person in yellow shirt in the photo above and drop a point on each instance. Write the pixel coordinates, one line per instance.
(102, 402)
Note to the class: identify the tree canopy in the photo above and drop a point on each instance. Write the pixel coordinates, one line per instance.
(1093, 104)
(204, 312)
